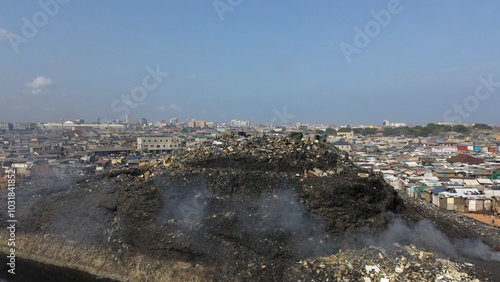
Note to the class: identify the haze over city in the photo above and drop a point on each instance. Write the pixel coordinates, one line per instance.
(336, 62)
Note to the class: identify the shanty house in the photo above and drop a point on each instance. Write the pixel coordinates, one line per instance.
(478, 203)
(435, 195)
(495, 204)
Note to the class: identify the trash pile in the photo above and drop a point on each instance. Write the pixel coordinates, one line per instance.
(376, 264)
(322, 177)
(270, 153)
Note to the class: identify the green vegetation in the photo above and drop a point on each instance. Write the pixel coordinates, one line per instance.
(428, 130)
(461, 129)
(345, 129)
(330, 131)
(494, 175)
(482, 126)
(365, 131)
(431, 129)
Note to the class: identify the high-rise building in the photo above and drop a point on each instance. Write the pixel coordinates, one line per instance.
(128, 119)
(386, 122)
(196, 123)
(174, 120)
(144, 121)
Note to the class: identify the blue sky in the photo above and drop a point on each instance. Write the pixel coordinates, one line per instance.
(265, 61)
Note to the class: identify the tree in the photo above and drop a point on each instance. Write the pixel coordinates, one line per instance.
(391, 131)
(461, 129)
(345, 129)
(369, 131)
(357, 130)
(482, 126)
(330, 131)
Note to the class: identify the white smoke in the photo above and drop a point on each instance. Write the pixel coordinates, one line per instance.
(425, 234)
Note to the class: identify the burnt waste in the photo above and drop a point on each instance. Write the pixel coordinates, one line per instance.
(237, 209)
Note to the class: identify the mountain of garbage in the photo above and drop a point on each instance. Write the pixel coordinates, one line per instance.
(234, 209)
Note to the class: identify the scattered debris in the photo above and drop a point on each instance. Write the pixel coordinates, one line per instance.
(402, 263)
(239, 209)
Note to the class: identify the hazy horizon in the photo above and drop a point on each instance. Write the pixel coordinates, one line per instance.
(337, 62)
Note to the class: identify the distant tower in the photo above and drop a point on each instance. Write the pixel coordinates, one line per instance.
(128, 119)
(98, 122)
(386, 122)
(144, 121)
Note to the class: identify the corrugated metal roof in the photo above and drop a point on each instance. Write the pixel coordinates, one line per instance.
(436, 191)
(342, 143)
(421, 188)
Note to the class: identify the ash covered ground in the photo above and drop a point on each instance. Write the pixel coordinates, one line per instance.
(262, 209)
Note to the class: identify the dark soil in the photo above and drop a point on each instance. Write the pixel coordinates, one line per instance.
(244, 218)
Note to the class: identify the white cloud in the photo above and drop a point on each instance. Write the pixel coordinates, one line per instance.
(37, 85)
(174, 107)
(4, 34)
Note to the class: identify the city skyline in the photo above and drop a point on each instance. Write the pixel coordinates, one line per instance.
(342, 62)
(234, 123)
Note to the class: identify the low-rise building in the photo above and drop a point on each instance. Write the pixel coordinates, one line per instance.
(158, 144)
(343, 145)
(347, 135)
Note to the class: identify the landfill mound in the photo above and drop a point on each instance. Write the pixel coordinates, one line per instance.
(317, 178)
(248, 209)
